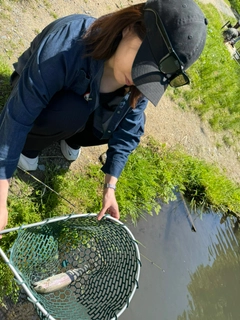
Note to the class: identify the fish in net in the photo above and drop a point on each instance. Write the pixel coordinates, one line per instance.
(77, 268)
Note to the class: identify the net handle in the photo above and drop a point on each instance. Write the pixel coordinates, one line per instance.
(20, 280)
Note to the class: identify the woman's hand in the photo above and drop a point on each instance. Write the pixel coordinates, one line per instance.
(109, 201)
(109, 204)
(4, 185)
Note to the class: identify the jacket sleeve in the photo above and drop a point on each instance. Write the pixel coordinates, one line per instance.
(125, 139)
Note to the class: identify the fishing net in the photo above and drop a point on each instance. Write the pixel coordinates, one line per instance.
(56, 246)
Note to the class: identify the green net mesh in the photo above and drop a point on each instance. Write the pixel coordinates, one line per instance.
(104, 290)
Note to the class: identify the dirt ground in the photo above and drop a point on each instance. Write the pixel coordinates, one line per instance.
(20, 21)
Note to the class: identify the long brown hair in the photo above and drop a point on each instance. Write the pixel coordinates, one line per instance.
(105, 34)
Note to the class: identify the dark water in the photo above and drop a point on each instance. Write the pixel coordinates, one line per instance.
(197, 276)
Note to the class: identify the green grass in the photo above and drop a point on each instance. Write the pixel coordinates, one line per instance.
(215, 81)
(237, 45)
(235, 4)
(5, 72)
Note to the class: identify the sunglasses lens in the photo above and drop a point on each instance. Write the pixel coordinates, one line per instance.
(179, 80)
(170, 64)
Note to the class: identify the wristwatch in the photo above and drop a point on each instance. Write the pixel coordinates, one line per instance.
(109, 185)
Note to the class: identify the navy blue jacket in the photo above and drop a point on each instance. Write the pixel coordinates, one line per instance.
(54, 62)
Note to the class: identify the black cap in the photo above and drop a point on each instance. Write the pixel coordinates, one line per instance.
(186, 28)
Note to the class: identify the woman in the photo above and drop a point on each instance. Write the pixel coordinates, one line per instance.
(85, 82)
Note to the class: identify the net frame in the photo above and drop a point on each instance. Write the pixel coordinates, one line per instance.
(21, 281)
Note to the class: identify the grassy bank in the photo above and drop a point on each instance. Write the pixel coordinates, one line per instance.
(235, 4)
(215, 81)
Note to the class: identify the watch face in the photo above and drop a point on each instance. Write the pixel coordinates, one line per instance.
(109, 185)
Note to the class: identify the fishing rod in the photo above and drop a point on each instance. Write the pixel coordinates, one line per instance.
(46, 186)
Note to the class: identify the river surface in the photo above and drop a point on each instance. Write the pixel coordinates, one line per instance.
(190, 275)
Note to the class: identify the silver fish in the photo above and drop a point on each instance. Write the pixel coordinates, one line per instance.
(59, 281)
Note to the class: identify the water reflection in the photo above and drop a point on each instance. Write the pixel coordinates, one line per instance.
(202, 270)
(214, 289)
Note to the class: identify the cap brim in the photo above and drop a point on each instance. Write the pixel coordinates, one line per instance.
(146, 75)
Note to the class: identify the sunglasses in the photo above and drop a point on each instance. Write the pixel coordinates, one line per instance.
(170, 64)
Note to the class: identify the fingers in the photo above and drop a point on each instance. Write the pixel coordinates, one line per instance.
(101, 214)
(113, 212)
(109, 204)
